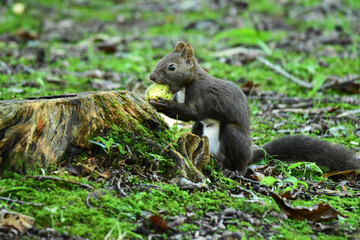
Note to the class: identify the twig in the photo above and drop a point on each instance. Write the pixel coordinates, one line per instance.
(87, 201)
(92, 195)
(347, 79)
(253, 195)
(83, 185)
(247, 179)
(264, 215)
(284, 73)
(122, 192)
(21, 202)
(348, 113)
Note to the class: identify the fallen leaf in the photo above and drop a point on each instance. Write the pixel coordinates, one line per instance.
(251, 87)
(16, 220)
(316, 213)
(27, 35)
(107, 47)
(159, 221)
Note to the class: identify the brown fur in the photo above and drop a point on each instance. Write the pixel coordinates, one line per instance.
(207, 97)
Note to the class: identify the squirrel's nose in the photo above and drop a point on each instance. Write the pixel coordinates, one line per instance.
(152, 77)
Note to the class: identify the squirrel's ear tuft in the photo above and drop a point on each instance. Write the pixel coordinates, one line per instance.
(189, 50)
(179, 46)
(188, 54)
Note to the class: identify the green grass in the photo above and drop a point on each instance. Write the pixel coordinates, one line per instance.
(65, 209)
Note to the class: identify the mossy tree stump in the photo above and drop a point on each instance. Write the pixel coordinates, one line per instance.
(40, 131)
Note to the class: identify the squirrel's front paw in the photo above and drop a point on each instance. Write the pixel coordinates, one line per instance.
(162, 103)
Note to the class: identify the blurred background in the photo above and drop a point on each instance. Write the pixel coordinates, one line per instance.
(66, 46)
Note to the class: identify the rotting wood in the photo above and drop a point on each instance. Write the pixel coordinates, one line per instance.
(36, 132)
(41, 131)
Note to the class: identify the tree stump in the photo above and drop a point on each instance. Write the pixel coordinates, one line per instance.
(40, 131)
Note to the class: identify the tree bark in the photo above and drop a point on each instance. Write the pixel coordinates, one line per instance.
(40, 131)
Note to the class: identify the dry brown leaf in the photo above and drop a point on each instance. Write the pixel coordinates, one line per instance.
(91, 167)
(107, 47)
(27, 35)
(16, 220)
(316, 213)
(159, 221)
(251, 87)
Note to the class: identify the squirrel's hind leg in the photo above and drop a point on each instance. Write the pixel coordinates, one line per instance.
(235, 148)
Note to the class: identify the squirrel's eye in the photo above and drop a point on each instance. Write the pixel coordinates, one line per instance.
(172, 67)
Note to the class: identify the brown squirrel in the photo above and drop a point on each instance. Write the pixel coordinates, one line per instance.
(221, 112)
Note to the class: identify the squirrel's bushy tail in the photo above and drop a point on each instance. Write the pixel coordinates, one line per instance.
(307, 149)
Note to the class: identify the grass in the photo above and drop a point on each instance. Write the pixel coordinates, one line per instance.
(65, 209)
(65, 205)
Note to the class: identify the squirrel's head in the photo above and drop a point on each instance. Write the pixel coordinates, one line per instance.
(176, 69)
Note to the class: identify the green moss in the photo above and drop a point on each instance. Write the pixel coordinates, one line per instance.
(99, 100)
(187, 227)
(66, 208)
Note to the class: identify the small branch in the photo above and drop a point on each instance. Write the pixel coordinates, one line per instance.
(340, 81)
(253, 195)
(83, 185)
(87, 201)
(284, 73)
(349, 113)
(91, 195)
(21, 202)
(247, 179)
(122, 192)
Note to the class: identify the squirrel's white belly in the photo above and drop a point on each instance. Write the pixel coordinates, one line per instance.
(212, 130)
(180, 95)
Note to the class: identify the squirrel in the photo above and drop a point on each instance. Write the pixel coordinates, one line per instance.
(220, 111)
